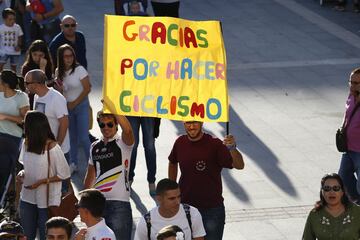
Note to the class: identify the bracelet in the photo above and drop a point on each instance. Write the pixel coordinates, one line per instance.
(232, 147)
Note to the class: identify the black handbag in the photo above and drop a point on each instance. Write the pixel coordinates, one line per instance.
(341, 139)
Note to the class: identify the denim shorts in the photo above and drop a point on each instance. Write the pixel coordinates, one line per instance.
(14, 59)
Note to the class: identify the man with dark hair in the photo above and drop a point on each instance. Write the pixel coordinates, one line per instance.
(108, 171)
(91, 207)
(58, 228)
(170, 212)
(11, 230)
(201, 158)
(171, 232)
(52, 104)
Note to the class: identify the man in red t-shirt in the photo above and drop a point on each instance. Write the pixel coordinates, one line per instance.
(201, 158)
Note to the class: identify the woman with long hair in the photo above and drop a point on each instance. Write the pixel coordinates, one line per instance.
(38, 57)
(334, 216)
(40, 144)
(73, 81)
(13, 107)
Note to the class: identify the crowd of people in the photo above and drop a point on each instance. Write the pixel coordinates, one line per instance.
(45, 119)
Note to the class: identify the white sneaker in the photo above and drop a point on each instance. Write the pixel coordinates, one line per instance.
(73, 168)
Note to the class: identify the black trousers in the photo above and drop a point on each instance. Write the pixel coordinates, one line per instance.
(166, 9)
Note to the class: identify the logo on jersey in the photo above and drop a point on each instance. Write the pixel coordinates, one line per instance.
(105, 185)
(126, 163)
(200, 166)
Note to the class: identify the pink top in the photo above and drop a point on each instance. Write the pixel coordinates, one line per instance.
(353, 130)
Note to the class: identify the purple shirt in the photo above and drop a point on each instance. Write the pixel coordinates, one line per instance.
(353, 129)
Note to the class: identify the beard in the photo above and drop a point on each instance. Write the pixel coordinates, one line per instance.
(195, 136)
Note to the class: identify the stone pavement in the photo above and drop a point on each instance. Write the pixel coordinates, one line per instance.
(288, 66)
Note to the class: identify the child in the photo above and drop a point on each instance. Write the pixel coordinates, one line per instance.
(10, 39)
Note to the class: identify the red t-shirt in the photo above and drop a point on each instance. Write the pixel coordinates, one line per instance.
(200, 164)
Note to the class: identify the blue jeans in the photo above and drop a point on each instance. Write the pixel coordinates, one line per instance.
(32, 218)
(214, 221)
(14, 59)
(147, 128)
(9, 153)
(350, 164)
(118, 217)
(79, 130)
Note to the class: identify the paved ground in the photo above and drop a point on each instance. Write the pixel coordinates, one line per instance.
(288, 66)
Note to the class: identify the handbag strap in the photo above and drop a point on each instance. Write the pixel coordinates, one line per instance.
(48, 175)
(351, 115)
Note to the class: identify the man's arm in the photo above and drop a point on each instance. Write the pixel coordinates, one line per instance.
(63, 126)
(58, 8)
(89, 179)
(238, 161)
(172, 171)
(127, 133)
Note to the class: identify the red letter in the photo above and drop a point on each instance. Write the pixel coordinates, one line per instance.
(181, 37)
(173, 105)
(158, 31)
(197, 109)
(125, 63)
(126, 24)
(189, 36)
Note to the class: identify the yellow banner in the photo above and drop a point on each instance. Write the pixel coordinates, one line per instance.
(165, 67)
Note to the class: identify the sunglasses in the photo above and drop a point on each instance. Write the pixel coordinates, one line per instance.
(109, 124)
(329, 188)
(70, 25)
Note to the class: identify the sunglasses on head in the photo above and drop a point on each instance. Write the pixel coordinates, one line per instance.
(70, 25)
(109, 124)
(329, 188)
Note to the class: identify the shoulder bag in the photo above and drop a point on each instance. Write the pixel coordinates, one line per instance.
(341, 139)
(67, 207)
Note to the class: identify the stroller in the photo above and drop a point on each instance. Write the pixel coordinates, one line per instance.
(135, 7)
(7, 178)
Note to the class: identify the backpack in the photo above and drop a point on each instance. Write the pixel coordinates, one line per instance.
(147, 218)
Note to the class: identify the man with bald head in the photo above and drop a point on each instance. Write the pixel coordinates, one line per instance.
(52, 104)
(69, 35)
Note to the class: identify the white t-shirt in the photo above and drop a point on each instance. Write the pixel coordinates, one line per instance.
(112, 163)
(12, 106)
(100, 231)
(53, 105)
(9, 39)
(72, 83)
(36, 168)
(158, 222)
